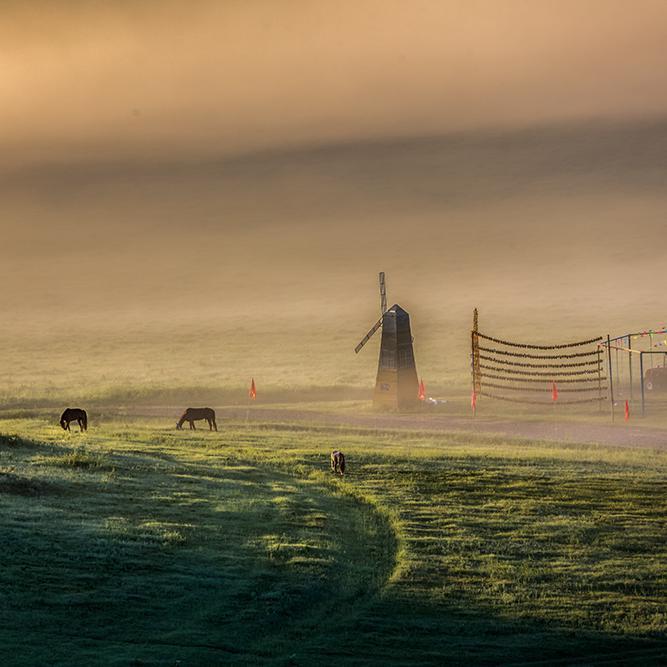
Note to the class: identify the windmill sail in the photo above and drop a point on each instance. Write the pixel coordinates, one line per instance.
(367, 337)
(383, 294)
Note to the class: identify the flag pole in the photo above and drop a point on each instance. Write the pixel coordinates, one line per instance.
(252, 395)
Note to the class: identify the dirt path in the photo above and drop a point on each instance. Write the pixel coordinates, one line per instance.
(617, 435)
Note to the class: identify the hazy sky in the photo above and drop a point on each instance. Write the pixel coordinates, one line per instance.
(145, 78)
(156, 153)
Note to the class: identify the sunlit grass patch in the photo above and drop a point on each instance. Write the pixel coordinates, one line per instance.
(281, 549)
(164, 534)
(78, 458)
(471, 547)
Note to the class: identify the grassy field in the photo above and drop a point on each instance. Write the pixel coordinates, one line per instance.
(136, 544)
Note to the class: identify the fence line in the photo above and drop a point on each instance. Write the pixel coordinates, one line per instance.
(502, 370)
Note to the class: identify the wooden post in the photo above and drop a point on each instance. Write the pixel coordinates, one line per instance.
(611, 378)
(641, 370)
(476, 371)
(630, 364)
(650, 345)
(599, 381)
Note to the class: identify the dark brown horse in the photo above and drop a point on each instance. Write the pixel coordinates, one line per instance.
(193, 414)
(338, 461)
(74, 415)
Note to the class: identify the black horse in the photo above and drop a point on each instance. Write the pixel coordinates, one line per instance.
(193, 414)
(74, 414)
(338, 461)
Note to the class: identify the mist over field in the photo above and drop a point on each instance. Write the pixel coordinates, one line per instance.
(236, 267)
(194, 196)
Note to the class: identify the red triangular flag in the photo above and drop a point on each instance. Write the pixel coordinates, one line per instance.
(627, 410)
(473, 400)
(554, 392)
(422, 390)
(253, 391)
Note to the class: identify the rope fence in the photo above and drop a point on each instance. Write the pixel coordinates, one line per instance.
(538, 379)
(562, 346)
(551, 376)
(595, 362)
(529, 402)
(536, 356)
(541, 381)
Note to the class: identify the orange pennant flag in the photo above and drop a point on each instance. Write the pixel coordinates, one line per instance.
(554, 392)
(473, 401)
(627, 410)
(253, 391)
(422, 390)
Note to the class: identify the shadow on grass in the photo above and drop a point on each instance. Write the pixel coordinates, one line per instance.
(19, 485)
(239, 564)
(179, 565)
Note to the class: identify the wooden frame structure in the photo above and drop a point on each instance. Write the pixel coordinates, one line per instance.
(526, 373)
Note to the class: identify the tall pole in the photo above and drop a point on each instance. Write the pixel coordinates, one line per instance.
(630, 364)
(641, 370)
(650, 344)
(476, 373)
(599, 381)
(611, 377)
(383, 294)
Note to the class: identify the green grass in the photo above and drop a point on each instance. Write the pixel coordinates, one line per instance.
(135, 544)
(162, 356)
(115, 360)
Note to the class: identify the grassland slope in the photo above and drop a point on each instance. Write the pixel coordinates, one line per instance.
(135, 543)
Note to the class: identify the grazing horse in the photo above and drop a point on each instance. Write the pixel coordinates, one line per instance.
(338, 462)
(193, 414)
(74, 414)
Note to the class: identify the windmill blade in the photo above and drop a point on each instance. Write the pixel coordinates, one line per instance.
(383, 294)
(367, 337)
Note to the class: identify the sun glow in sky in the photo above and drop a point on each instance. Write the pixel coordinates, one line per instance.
(279, 154)
(147, 79)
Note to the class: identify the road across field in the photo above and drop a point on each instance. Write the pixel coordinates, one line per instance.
(620, 434)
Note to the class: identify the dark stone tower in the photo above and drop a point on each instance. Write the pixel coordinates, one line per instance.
(397, 386)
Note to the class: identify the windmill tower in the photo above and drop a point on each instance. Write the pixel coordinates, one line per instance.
(396, 387)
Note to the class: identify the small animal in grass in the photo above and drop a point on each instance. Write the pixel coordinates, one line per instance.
(338, 462)
(74, 415)
(195, 414)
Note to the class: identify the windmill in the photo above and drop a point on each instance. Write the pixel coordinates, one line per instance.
(396, 387)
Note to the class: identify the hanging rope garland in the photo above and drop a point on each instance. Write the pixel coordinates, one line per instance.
(535, 370)
(535, 389)
(529, 402)
(525, 355)
(573, 364)
(544, 377)
(541, 347)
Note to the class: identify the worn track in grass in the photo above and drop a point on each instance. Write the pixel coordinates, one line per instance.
(614, 435)
(240, 547)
